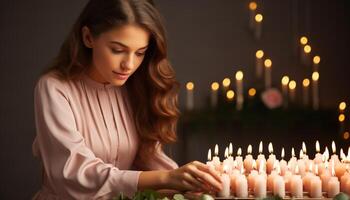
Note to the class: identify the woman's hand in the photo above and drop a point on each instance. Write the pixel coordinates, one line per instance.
(194, 176)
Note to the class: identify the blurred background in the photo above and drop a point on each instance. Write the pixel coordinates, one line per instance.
(208, 41)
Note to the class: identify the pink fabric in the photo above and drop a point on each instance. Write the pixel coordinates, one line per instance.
(86, 140)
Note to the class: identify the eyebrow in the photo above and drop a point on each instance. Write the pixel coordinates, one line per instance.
(124, 45)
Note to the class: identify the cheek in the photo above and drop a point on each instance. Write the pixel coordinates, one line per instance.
(103, 59)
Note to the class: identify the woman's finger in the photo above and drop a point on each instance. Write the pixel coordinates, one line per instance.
(193, 181)
(206, 177)
(206, 168)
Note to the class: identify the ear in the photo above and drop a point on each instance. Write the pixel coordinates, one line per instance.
(88, 40)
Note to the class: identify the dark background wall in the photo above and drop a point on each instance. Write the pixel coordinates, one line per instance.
(208, 40)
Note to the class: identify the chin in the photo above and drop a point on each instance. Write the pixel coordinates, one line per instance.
(118, 82)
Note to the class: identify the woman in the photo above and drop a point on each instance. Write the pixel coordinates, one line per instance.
(106, 106)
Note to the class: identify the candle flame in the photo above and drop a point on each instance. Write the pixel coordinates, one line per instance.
(333, 147)
(317, 146)
(239, 75)
(226, 82)
(292, 85)
(226, 152)
(301, 154)
(270, 148)
(209, 155)
(230, 149)
(315, 76)
(282, 153)
(259, 54)
(342, 155)
(249, 150)
(215, 86)
(254, 164)
(190, 86)
(258, 18)
(268, 63)
(216, 150)
(304, 147)
(239, 152)
(316, 60)
(326, 153)
(293, 152)
(285, 80)
(260, 147)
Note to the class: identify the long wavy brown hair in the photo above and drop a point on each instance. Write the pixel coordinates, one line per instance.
(153, 86)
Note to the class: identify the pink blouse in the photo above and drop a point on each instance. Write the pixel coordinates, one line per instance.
(87, 140)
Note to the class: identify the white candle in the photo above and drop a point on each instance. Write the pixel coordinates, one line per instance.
(216, 159)
(252, 12)
(260, 186)
(271, 177)
(325, 176)
(239, 158)
(333, 184)
(307, 178)
(344, 179)
(248, 161)
(261, 157)
(301, 163)
(189, 96)
(316, 61)
(334, 156)
(293, 161)
(271, 160)
(292, 85)
(259, 63)
(315, 100)
(258, 26)
(284, 82)
(268, 65)
(279, 187)
(225, 179)
(318, 156)
(239, 85)
(214, 94)
(209, 162)
(283, 163)
(306, 84)
(252, 175)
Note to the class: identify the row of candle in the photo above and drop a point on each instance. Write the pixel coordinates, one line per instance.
(278, 176)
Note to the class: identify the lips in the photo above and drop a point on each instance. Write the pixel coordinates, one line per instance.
(120, 76)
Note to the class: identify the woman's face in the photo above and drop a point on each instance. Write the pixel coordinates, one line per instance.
(117, 53)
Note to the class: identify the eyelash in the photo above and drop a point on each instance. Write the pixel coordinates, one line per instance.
(121, 51)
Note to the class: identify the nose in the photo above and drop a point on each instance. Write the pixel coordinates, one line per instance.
(128, 63)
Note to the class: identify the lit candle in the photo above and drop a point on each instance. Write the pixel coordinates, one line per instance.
(216, 159)
(230, 95)
(268, 65)
(252, 12)
(225, 179)
(271, 177)
(344, 179)
(306, 55)
(259, 63)
(271, 160)
(340, 167)
(293, 161)
(334, 156)
(316, 187)
(325, 176)
(315, 101)
(318, 156)
(283, 163)
(306, 84)
(239, 158)
(190, 101)
(214, 94)
(296, 185)
(285, 81)
(209, 162)
(248, 161)
(261, 157)
(239, 85)
(225, 85)
(333, 184)
(302, 43)
(260, 183)
(307, 178)
(301, 163)
(305, 156)
(292, 85)
(287, 177)
(241, 185)
(258, 25)
(235, 173)
(316, 61)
